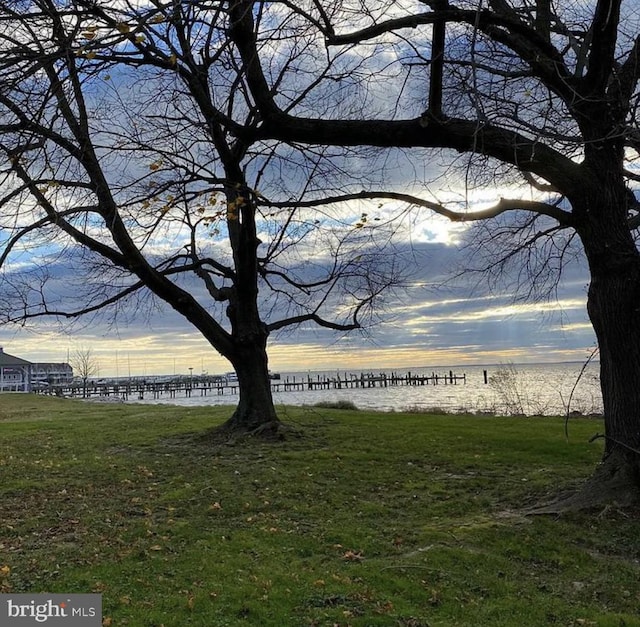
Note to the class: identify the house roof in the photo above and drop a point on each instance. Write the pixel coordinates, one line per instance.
(11, 360)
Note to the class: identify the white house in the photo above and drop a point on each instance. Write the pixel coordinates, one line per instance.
(15, 373)
(20, 375)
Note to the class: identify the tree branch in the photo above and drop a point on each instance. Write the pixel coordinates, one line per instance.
(500, 25)
(46, 312)
(504, 204)
(437, 60)
(603, 47)
(312, 317)
(629, 72)
(459, 134)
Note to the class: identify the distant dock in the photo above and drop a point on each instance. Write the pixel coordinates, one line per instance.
(150, 388)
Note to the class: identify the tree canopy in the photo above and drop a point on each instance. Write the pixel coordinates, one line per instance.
(128, 159)
(534, 96)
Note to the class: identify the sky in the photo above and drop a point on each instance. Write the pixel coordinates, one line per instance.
(421, 326)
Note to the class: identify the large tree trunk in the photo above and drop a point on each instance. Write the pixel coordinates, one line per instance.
(255, 412)
(614, 309)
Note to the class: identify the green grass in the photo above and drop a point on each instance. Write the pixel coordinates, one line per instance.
(356, 519)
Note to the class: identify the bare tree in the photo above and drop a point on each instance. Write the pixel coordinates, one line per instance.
(208, 105)
(85, 366)
(537, 97)
(130, 156)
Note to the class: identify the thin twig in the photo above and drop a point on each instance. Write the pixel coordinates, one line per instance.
(594, 352)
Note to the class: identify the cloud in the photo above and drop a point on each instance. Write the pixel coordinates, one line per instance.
(452, 324)
(428, 324)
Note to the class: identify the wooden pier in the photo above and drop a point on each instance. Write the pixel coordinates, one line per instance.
(141, 389)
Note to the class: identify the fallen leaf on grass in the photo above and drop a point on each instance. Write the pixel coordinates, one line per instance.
(353, 556)
(383, 608)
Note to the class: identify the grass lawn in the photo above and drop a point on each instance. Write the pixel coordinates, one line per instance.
(358, 518)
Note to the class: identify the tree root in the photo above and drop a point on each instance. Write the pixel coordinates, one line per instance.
(230, 433)
(274, 430)
(615, 483)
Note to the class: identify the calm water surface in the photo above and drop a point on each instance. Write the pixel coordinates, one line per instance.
(539, 389)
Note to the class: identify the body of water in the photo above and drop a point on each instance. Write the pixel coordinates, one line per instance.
(531, 389)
